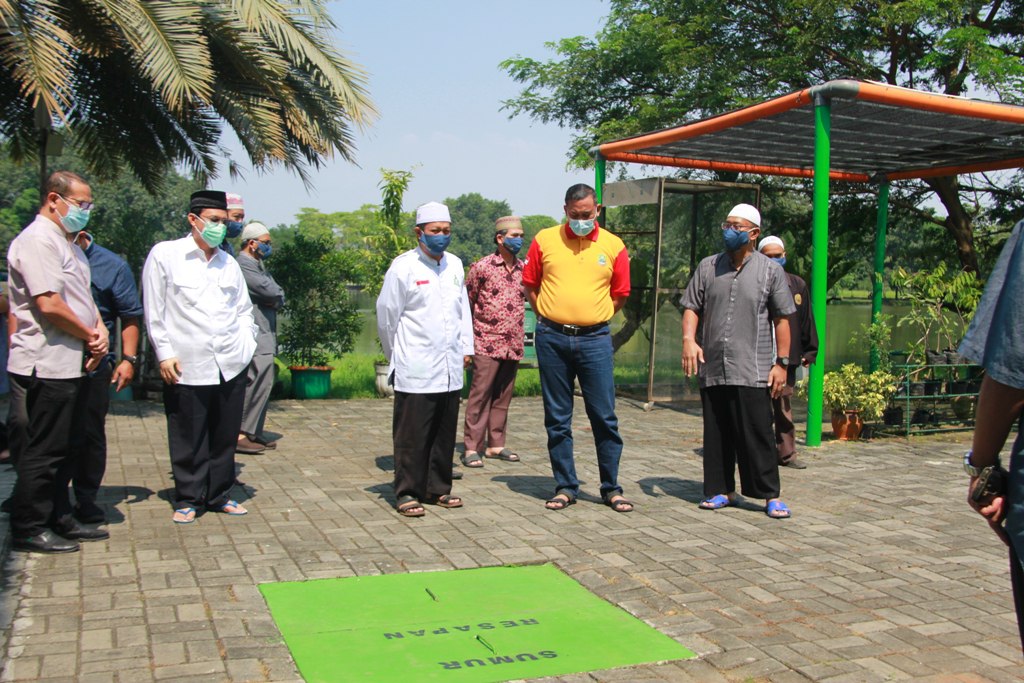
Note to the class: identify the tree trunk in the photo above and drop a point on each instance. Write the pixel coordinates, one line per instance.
(958, 222)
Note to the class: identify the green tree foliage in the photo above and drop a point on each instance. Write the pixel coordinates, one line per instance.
(320, 318)
(148, 84)
(658, 63)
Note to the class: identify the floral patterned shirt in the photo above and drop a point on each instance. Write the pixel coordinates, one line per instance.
(496, 299)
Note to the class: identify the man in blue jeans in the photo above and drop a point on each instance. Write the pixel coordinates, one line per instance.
(577, 277)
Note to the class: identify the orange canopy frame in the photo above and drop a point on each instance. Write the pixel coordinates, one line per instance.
(843, 130)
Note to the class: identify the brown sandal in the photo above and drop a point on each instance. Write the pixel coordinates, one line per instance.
(445, 501)
(408, 506)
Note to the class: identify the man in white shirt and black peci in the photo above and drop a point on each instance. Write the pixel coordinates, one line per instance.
(200, 323)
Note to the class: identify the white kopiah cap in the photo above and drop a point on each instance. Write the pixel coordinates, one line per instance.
(768, 241)
(747, 213)
(235, 201)
(432, 212)
(254, 231)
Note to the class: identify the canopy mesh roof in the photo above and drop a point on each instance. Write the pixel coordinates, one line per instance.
(877, 132)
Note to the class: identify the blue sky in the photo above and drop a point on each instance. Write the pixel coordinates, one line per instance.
(434, 77)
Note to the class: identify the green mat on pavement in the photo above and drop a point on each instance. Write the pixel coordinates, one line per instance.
(472, 625)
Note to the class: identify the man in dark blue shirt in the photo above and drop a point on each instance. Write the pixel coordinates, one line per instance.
(116, 296)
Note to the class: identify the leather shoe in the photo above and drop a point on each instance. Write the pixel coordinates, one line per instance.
(248, 447)
(266, 443)
(46, 542)
(88, 512)
(795, 463)
(74, 531)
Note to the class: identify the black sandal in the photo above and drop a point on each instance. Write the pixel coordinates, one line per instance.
(408, 506)
(560, 501)
(445, 501)
(619, 503)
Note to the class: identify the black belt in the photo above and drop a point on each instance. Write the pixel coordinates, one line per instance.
(571, 330)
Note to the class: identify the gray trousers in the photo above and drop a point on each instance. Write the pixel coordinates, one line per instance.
(258, 383)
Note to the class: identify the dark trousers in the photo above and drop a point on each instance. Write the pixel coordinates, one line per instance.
(738, 430)
(490, 394)
(202, 432)
(44, 465)
(424, 428)
(785, 428)
(90, 446)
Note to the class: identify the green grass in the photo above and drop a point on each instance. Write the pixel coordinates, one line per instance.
(353, 376)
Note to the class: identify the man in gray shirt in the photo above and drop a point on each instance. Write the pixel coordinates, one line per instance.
(727, 342)
(267, 297)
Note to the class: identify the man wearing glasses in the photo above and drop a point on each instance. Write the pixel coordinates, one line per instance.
(56, 332)
(267, 297)
(727, 342)
(577, 277)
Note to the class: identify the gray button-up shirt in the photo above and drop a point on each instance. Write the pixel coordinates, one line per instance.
(734, 306)
(267, 297)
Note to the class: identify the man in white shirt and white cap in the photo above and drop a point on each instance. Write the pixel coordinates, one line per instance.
(267, 297)
(425, 326)
(200, 323)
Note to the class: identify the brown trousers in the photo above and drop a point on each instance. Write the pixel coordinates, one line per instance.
(785, 430)
(490, 394)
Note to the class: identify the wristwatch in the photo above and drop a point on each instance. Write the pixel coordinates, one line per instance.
(134, 360)
(783, 361)
(969, 467)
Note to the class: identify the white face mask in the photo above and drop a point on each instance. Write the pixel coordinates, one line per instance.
(581, 227)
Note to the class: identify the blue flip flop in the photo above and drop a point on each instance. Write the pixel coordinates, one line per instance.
(716, 502)
(776, 509)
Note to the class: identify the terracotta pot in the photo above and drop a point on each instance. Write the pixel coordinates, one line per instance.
(847, 424)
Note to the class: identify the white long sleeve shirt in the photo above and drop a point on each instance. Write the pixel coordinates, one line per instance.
(198, 311)
(425, 323)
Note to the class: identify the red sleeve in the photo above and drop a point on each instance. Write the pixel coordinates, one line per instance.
(620, 274)
(533, 271)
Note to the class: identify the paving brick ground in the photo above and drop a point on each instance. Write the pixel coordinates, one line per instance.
(882, 574)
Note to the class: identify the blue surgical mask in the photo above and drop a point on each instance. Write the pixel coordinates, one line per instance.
(76, 218)
(436, 244)
(264, 249)
(583, 227)
(781, 260)
(734, 239)
(234, 228)
(513, 244)
(213, 233)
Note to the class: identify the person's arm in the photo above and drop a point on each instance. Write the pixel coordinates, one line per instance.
(390, 304)
(57, 312)
(533, 272)
(999, 406)
(693, 355)
(124, 373)
(263, 289)
(620, 286)
(154, 302)
(777, 376)
(531, 296)
(468, 349)
(808, 331)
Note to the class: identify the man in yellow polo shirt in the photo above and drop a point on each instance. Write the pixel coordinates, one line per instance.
(577, 277)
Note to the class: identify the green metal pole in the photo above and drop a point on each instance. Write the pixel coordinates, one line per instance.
(599, 177)
(880, 236)
(819, 270)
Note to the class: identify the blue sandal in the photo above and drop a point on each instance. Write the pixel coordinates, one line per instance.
(716, 502)
(776, 509)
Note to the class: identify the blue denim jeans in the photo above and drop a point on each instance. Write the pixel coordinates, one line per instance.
(561, 360)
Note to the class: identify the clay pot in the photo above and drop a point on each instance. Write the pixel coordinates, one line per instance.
(847, 424)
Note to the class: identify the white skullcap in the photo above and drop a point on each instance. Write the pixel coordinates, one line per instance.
(432, 212)
(254, 230)
(768, 241)
(747, 213)
(235, 201)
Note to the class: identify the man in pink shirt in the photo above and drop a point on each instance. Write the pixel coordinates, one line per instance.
(495, 288)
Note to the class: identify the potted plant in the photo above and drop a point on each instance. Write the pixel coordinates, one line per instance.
(854, 397)
(320, 320)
